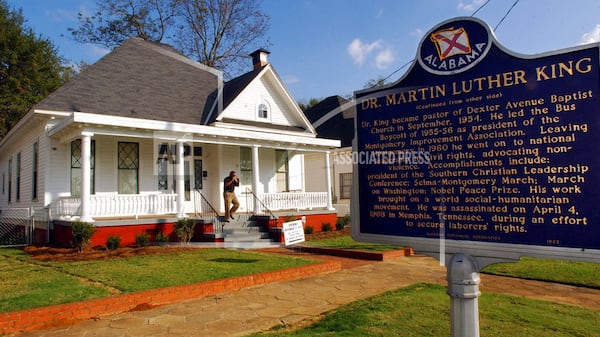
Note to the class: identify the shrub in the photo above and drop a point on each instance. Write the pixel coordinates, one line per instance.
(161, 238)
(142, 239)
(184, 229)
(342, 222)
(326, 227)
(82, 232)
(113, 242)
(308, 230)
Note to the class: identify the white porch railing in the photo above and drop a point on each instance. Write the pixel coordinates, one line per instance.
(294, 200)
(116, 205)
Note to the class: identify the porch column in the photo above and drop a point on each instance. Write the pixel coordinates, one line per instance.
(255, 176)
(328, 181)
(86, 165)
(180, 184)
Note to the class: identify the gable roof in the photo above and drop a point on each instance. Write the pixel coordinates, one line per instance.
(333, 118)
(140, 79)
(235, 88)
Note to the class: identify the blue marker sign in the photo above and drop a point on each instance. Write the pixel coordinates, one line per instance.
(491, 151)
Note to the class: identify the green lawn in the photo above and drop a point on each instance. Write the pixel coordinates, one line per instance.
(25, 283)
(346, 242)
(423, 310)
(585, 274)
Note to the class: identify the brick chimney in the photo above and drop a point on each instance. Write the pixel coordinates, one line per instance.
(260, 58)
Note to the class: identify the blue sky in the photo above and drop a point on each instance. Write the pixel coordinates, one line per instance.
(334, 47)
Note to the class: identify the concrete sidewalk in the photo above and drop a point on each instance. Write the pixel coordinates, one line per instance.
(262, 307)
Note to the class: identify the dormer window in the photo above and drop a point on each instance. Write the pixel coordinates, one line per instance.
(263, 111)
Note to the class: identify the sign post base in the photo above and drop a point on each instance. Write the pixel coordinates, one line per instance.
(463, 289)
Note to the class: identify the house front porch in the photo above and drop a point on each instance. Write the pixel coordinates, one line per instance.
(128, 216)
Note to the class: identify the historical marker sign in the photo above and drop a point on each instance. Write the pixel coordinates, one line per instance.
(494, 153)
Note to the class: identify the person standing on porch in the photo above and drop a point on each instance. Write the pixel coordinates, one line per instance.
(231, 201)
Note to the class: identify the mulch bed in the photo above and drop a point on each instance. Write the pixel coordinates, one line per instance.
(71, 254)
(100, 253)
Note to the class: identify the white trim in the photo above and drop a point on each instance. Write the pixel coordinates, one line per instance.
(282, 89)
(202, 133)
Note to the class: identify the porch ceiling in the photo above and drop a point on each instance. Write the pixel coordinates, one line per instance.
(78, 122)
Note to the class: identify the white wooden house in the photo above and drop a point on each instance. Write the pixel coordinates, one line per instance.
(146, 133)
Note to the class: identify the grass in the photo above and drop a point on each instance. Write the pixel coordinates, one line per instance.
(26, 283)
(346, 242)
(423, 311)
(585, 274)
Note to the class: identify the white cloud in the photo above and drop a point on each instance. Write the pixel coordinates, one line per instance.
(591, 37)
(417, 33)
(469, 6)
(359, 51)
(384, 58)
(96, 52)
(291, 79)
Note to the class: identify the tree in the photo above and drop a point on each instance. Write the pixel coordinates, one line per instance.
(375, 83)
(30, 68)
(311, 102)
(217, 33)
(118, 20)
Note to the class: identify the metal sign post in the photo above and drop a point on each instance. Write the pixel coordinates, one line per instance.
(463, 289)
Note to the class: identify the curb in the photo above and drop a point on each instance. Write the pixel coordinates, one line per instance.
(65, 314)
(357, 254)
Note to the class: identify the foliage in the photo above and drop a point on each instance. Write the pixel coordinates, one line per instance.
(82, 232)
(342, 222)
(142, 239)
(161, 238)
(312, 102)
(326, 227)
(308, 230)
(184, 229)
(217, 33)
(30, 68)
(375, 83)
(113, 242)
(118, 20)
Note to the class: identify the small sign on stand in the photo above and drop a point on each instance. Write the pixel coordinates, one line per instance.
(293, 232)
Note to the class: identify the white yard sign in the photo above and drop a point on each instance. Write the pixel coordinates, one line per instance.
(293, 232)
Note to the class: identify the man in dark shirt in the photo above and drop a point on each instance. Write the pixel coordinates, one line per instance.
(229, 184)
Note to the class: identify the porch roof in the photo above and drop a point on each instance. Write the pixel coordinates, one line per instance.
(75, 123)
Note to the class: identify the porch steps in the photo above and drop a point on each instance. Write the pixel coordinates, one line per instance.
(243, 233)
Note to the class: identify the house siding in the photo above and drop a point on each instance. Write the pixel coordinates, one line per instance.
(24, 146)
(263, 90)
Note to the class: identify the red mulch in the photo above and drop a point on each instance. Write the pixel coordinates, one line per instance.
(70, 254)
(100, 253)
